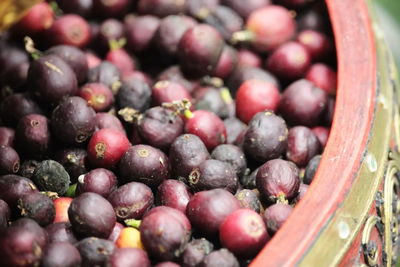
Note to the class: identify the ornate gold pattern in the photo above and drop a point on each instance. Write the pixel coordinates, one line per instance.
(370, 248)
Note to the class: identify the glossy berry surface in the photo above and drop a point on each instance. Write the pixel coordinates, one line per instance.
(250, 233)
(256, 96)
(106, 147)
(208, 127)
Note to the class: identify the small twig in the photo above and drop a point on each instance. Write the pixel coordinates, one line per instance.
(130, 115)
(30, 48)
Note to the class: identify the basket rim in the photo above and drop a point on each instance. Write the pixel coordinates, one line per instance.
(346, 147)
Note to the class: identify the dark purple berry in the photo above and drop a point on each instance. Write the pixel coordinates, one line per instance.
(33, 137)
(85, 221)
(303, 145)
(146, 164)
(302, 191)
(249, 199)
(141, 32)
(161, 8)
(16, 106)
(109, 30)
(13, 187)
(22, 244)
(80, 7)
(9, 160)
(106, 9)
(131, 200)
(235, 129)
(61, 232)
(95, 251)
(73, 56)
(195, 251)
(52, 79)
(170, 32)
(194, 7)
(5, 214)
(275, 216)
(106, 73)
(224, 19)
(221, 257)
(289, 61)
(7, 136)
(199, 50)
(213, 174)
(232, 155)
(175, 235)
(244, 8)
(210, 98)
(266, 137)
(134, 94)
(174, 194)
(311, 169)
(133, 257)
(206, 210)
(159, 127)
(107, 120)
(38, 207)
(73, 120)
(61, 254)
(278, 179)
(100, 181)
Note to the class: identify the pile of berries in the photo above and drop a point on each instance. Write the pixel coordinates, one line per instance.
(159, 132)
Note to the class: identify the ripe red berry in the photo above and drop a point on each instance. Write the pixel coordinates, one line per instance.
(208, 126)
(289, 61)
(270, 27)
(98, 96)
(122, 60)
(61, 205)
(227, 62)
(255, 96)
(40, 17)
(92, 60)
(200, 49)
(322, 134)
(316, 43)
(323, 77)
(250, 233)
(168, 91)
(70, 30)
(106, 147)
(248, 58)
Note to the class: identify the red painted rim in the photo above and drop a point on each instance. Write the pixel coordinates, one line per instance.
(347, 142)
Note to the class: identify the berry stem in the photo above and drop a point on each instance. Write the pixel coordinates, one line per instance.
(226, 95)
(71, 191)
(188, 114)
(117, 44)
(282, 199)
(130, 115)
(133, 223)
(213, 81)
(51, 195)
(242, 37)
(30, 48)
(180, 107)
